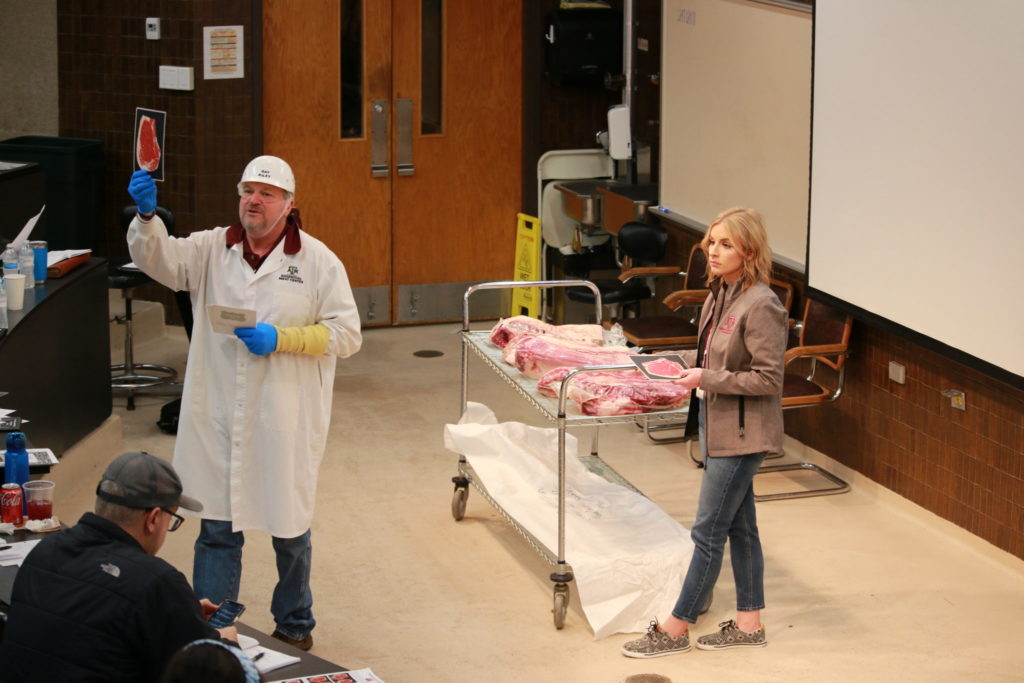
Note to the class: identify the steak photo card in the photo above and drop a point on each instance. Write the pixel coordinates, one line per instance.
(149, 141)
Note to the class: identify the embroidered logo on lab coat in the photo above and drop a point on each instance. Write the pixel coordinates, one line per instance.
(729, 324)
(292, 274)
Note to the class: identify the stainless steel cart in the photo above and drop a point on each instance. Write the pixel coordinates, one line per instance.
(554, 410)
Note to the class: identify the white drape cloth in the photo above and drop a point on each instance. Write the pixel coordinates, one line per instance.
(628, 556)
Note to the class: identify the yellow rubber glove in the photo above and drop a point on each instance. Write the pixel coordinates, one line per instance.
(311, 339)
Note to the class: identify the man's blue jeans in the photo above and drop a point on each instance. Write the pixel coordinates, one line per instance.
(217, 572)
(725, 510)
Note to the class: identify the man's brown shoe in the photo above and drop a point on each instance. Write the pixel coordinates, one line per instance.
(303, 644)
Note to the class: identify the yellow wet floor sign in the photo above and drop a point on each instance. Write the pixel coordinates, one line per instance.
(526, 300)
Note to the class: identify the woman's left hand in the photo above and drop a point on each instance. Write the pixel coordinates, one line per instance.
(690, 379)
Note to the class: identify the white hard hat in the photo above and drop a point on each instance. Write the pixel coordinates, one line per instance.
(270, 170)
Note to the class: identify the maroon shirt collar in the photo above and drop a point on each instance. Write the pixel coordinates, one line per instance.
(290, 235)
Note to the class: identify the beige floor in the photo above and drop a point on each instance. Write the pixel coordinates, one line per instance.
(861, 586)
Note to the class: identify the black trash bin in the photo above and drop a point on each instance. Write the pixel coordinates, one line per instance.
(74, 185)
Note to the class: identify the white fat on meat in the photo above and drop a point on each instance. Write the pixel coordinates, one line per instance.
(614, 392)
(508, 329)
(533, 356)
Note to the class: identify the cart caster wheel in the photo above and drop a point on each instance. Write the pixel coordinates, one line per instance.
(561, 605)
(459, 502)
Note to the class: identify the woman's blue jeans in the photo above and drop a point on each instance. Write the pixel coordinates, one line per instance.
(217, 572)
(725, 511)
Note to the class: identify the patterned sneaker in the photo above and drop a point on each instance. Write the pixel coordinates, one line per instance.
(730, 635)
(656, 643)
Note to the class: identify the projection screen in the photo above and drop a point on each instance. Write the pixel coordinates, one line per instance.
(916, 219)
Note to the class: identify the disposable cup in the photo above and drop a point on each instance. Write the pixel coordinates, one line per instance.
(15, 284)
(39, 498)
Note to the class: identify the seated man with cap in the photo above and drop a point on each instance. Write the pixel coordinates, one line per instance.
(93, 602)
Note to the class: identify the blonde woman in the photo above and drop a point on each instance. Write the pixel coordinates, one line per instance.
(736, 379)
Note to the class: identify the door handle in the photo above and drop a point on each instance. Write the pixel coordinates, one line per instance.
(404, 152)
(379, 138)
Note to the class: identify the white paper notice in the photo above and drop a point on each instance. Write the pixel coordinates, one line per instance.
(27, 230)
(224, 319)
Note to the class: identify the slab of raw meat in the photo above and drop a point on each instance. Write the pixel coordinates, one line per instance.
(535, 355)
(509, 328)
(614, 392)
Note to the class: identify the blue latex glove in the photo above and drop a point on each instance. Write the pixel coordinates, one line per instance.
(260, 340)
(142, 188)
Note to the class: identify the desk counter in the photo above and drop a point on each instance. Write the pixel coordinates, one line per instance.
(55, 358)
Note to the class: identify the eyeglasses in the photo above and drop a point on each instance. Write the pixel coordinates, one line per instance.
(176, 520)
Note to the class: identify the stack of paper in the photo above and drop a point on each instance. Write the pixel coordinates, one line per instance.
(265, 658)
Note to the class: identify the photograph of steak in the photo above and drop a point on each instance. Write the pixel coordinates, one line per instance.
(616, 392)
(664, 367)
(147, 147)
(535, 355)
(509, 328)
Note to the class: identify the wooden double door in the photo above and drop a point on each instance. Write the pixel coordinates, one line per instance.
(402, 122)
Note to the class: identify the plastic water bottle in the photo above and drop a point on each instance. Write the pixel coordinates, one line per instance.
(3, 305)
(16, 463)
(11, 262)
(27, 265)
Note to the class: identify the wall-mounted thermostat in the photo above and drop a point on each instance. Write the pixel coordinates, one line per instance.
(152, 28)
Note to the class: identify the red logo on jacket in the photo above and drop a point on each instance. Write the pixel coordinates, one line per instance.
(729, 324)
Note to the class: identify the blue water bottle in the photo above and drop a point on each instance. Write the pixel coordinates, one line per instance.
(16, 463)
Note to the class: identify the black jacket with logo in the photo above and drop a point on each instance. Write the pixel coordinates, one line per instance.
(89, 604)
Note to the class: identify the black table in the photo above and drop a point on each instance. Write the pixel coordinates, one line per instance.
(308, 664)
(55, 358)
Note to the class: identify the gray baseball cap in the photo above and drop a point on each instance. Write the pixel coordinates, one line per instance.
(144, 481)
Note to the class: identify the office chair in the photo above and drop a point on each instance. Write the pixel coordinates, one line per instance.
(679, 330)
(824, 342)
(131, 376)
(637, 244)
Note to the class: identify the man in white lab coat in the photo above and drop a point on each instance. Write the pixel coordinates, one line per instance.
(256, 404)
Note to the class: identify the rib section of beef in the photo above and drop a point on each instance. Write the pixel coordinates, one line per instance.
(533, 356)
(509, 328)
(614, 392)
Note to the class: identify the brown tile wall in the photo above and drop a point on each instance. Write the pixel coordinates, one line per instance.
(107, 68)
(965, 466)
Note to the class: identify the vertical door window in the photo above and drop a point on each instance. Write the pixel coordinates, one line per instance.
(351, 68)
(431, 65)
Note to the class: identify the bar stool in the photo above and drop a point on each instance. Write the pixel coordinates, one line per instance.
(131, 376)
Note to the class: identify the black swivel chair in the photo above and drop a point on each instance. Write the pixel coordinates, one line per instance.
(131, 376)
(639, 246)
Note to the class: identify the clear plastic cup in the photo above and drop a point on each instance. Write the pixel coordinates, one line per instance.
(39, 498)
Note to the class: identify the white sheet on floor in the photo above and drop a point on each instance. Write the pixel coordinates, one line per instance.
(628, 556)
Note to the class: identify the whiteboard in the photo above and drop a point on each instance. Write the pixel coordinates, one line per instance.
(735, 116)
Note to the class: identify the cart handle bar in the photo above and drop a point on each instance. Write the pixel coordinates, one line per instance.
(543, 284)
(585, 368)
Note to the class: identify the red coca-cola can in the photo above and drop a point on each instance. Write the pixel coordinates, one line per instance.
(10, 504)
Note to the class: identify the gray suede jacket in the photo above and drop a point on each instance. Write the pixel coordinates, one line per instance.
(742, 376)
